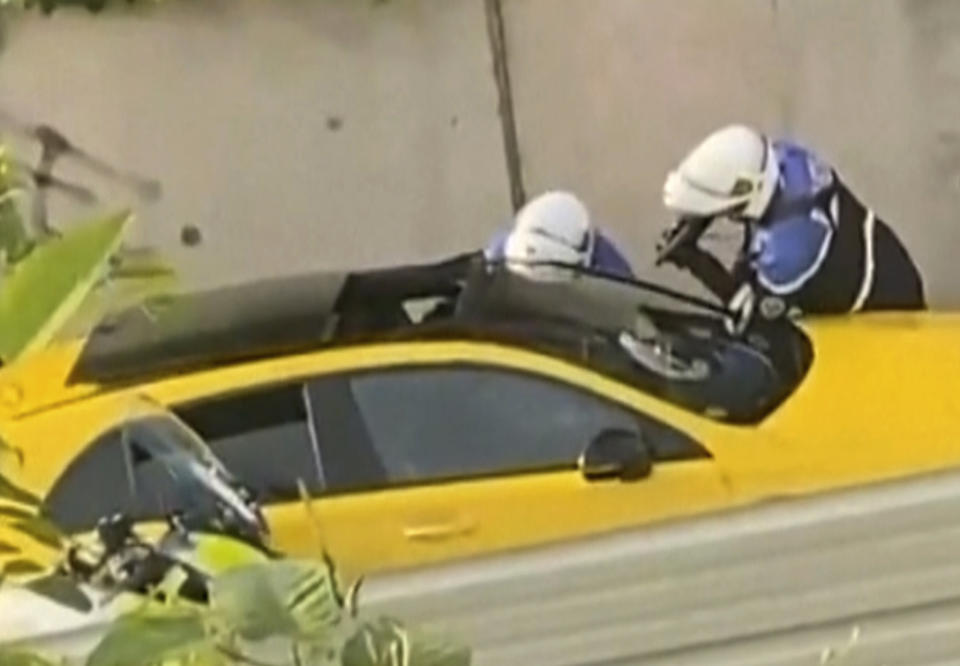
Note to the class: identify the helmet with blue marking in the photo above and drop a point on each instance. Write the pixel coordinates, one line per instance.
(553, 228)
(732, 172)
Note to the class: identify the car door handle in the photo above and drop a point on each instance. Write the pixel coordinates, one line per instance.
(444, 530)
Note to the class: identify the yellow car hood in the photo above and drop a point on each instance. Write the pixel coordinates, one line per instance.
(39, 380)
(882, 394)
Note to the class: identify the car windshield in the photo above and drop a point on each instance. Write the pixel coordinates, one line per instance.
(169, 461)
(646, 335)
(165, 438)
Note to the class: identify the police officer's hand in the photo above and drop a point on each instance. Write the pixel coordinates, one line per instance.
(678, 243)
(740, 308)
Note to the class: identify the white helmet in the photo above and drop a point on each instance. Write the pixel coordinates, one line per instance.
(733, 169)
(555, 228)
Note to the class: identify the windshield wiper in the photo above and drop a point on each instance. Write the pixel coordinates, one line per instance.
(630, 281)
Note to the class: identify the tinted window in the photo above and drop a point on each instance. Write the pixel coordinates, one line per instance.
(94, 485)
(433, 423)
(262, 437)
(109, 478)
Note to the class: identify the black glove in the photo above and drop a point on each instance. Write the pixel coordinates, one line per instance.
(678, 243)
(114, 532)
(741, 308)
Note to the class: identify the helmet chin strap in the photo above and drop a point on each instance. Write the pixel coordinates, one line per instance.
(586, 245)
(590, 241)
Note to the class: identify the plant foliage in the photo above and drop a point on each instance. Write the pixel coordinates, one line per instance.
(280, 613)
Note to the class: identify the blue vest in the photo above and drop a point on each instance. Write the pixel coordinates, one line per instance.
(792, 240)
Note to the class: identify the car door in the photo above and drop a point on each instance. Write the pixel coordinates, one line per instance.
(261, 435)
(115, 473)
(264, 437)
(423, 463)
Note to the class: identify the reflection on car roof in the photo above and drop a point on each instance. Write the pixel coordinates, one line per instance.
(579, 320)
(191, 330)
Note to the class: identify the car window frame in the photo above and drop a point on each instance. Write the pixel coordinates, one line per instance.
(640, 418)
(304, 377)
(116, 434)
(299, 381)
(111, 435)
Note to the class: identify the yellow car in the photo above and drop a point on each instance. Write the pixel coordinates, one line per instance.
(440, 411)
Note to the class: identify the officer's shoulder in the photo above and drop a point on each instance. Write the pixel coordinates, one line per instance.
(821, 173)
(495, 246)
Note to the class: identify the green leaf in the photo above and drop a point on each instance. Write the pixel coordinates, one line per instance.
(116, 295)
(294, 598)
(140, 262)
(61, 589)
(13, 492)
(8, 451)
(10, 657)
(15, 512)
(14, 240)
(42, 530)
(44, 290)
(153, 636)
(430, 650)
(22, 566)
(387, 642)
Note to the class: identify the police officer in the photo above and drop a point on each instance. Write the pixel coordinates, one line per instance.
(810, 246)
(555, 227)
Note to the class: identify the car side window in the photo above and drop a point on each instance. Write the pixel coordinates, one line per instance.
(107, 478)
(420, 424)
(262, 436)
(94, 484)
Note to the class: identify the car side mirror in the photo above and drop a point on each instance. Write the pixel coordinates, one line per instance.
(616, 453)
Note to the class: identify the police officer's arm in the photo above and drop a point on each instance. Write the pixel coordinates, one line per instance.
(792, 253)
(707, 269)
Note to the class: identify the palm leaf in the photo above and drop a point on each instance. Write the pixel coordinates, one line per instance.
(387, 642)
(62, 589)
(10, 491)
(10, 657)
(145, 262)
(293, 598)
(153, 636)
(8, 452)
(126, 286)
(15, 512)
(22, 566)
(41, 530)
(45, 289)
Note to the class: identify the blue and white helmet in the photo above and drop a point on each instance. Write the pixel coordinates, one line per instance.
(552, 228)
(734, 170)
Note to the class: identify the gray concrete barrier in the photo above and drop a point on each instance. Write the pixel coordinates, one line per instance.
(611, 93)
(342, 133)
(295, 134)
(870, 575)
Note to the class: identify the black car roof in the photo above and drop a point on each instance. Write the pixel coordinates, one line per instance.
(574, 319)
(191, 330)
(282, 315)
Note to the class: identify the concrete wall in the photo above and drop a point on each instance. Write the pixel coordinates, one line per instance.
(230, 104)
(610, 93)
(296, 134)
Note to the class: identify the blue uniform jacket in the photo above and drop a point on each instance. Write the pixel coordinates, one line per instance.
(791, 242)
